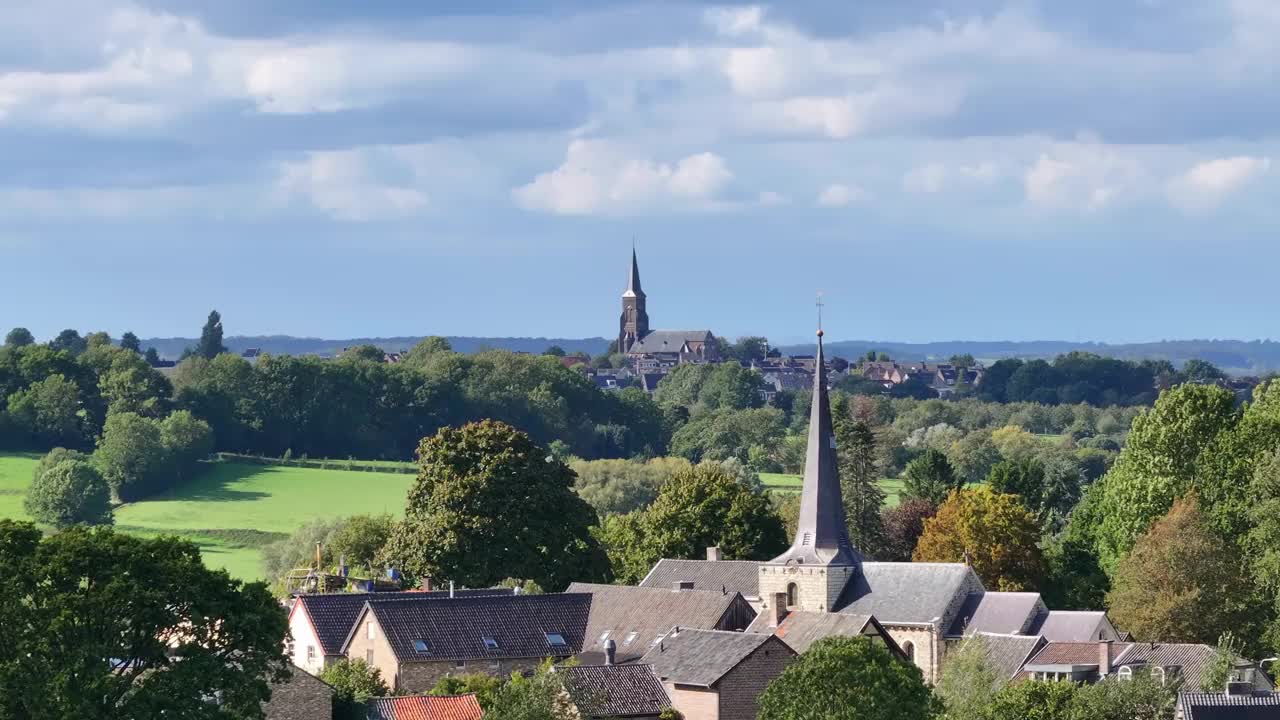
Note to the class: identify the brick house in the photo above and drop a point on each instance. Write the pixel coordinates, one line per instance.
(320, 622)
(415, 643)
(636, 618)
(718, 675)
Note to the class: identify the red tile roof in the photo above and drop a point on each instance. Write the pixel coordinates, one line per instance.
(426, 707)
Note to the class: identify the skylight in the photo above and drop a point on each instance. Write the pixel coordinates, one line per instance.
(421, 646)
(490, 643)
(556, 640)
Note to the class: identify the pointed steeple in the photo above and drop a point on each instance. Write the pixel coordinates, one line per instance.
(821, 535)
(633, 282)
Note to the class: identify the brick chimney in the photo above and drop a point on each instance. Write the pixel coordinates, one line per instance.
(1104, 658)
(714, 554)
(778, 611)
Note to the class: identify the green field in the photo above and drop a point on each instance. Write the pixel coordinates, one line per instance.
(788, 483)
(15, 476)
(234, 509)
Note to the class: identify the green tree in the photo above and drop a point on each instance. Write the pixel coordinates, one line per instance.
(489, 504)
(1201, 371)
(963, 361)
(426, 347)
(969, 682)
(131, 456)
(152, 357)
(69, 493)
(53, 458)
(1225, 656)
(299, 549)
(113, 626)
(621, 486)
(186, 440)
(210, 343)
(847, 678)
(130, 342)
(19, 337)
(1034, 701)
(1264, 538)
(1180, 583)
(860, 485)
(368, 353)
(69, 341)
(484, 686)
(1141, 698)
(750, 349)
(540, 696)
(353, 683)
(929, 477)
(554, 351)
(361, 539)
(973, 456)
(623, 538)
(992, 531)
(1024, 478)
(50, 411)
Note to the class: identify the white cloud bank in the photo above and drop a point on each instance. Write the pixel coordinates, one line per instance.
(840, 195)
(601, 177)
(1206, 185)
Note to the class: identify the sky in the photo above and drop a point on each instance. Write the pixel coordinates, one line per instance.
(983, 170)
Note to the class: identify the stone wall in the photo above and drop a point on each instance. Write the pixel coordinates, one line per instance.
(817, 588)
(740, 688)
(926, 641)
(419, 677)
(301, 697)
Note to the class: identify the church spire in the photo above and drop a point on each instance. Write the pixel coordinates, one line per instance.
(633, 282)
(821, 535)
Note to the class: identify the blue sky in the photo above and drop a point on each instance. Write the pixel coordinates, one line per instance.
(940, 170)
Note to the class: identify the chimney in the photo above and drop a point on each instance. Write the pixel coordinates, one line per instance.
(319, 547)
(714, 554)
(682, 585)
(450, 589)
(778, 612)
(426, 583)
(610, 652)
(1104, 659)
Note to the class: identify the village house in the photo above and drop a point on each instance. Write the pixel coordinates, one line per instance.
(1087, 662)
(415, 643)
(1239, 702)
(800, 630)
(609, 691)
(424, 707)
(718, 675)
(320, 622)
(302, 697)
(634, 619)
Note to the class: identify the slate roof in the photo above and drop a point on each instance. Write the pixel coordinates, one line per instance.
(1070, 625)
(1220, 706)
(996, 612)
(902, 592)
(455, 629)
(1193, 659)
(424, 707)
(740, 576)
(616, 691)
(799, 630)
(333, 614)
(1074, 653)
(1008, 653)
(637, 617)
(668, 341)
(702, 657)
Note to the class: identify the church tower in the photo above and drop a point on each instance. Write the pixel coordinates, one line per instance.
(634, 323)
(813, 573)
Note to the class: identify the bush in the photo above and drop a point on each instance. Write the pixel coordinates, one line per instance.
(70, 493)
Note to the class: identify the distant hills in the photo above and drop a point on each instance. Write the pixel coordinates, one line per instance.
(1235, 356)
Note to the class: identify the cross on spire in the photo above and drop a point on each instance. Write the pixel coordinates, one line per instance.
(819, 303)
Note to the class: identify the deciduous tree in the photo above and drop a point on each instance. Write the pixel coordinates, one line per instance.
(210, 343)
(19, 337)
(993, 531)
(70, 493)
(969, 682)
(929, 477)
(490, 504)
(848, 678)
(353, 683)
(903, 526)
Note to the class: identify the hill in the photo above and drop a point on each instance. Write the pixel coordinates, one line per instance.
(171, 348)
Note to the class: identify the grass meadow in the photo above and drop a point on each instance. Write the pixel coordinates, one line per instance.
(15, 476)
(785, 483)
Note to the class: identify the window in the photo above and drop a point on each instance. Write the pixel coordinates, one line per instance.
(421, 646)
(631, 636)
(368, 656)
(604, 636)
(459, 664)
(1126, 673)
(909, 649)
(368, 628)
(495, 666)
(490, 643)
(311, 652)
(556, 640)
(793, 595)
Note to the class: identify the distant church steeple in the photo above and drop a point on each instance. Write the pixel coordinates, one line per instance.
(634, 323)
(813, 572)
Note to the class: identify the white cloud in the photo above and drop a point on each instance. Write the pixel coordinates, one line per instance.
(769, 198)
(599, 176)
(934, 177)
(840, 195)
(1084, 175)
(1207, 184)
(361, 184)
(732, 22)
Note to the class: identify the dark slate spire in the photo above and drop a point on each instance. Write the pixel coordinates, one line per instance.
(821, 535)
(633, 282)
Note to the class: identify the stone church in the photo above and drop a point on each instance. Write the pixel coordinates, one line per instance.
(635, 337)
(822, 585)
